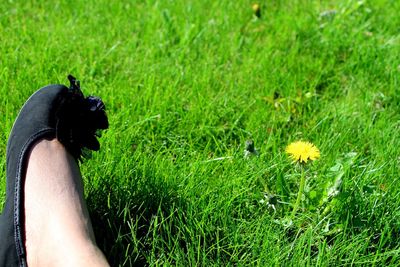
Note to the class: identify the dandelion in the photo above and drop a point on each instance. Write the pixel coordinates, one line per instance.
(257, 10)
(302, 151)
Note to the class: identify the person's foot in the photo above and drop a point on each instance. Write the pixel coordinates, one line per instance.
(58, 231)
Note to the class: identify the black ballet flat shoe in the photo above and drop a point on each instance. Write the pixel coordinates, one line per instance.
(54, 111)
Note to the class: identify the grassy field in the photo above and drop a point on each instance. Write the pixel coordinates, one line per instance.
(186, 83)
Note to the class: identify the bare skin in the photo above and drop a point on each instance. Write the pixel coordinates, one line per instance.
(57, 225)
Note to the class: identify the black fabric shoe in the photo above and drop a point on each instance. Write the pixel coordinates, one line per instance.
(54, 111)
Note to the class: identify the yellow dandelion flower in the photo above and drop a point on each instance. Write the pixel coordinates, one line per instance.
(302, 151)
(256, 9)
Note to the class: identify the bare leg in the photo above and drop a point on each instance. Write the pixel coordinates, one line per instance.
(57, 223)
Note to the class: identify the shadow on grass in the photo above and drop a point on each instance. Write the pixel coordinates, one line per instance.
(123, 217)
(147, 221)
(368, 215)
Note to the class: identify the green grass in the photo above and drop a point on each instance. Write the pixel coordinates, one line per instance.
(188, 82)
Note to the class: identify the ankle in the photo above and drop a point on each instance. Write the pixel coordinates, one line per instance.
(61, 252)
(57, 223)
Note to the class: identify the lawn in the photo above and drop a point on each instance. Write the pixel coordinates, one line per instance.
(186, 84)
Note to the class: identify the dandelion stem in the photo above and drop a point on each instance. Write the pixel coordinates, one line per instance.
(300, 193)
